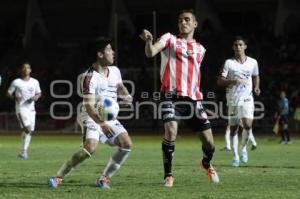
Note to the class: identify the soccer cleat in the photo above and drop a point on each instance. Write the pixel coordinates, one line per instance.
(211, 173)
(253, 147)
(289, 142)
(103, 183)
(244, 157)
(225, 149)
(169, 181)
(54, 182)
(235, 163)
(23, 156)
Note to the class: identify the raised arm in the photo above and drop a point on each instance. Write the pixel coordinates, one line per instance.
(150, 49)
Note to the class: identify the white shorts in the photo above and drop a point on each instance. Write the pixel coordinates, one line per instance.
(236, 113)
(26, 118)
(92, 130)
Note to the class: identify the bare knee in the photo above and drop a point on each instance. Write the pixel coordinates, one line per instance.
(90, 145)
(171, 131)
(124, 141)
(207, 138)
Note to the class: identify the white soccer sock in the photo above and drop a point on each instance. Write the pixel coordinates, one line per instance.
(245, 138)
(251, 137)
(235, 144)
(26, 137)
(115, 162)
(227, 137)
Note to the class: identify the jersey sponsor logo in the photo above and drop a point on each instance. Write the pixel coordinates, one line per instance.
(168, 116)
(190, 52)
(204, 115)
(92, 127)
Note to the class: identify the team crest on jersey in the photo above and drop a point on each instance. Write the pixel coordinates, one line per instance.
(189, 52)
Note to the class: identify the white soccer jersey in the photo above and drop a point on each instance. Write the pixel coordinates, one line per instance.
(27, 90)
(100, 85)
(237, 94)
(180, 66)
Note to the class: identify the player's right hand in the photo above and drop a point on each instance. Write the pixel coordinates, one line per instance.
(106, 130)
(146, 35)
(240, 81)
(18, 97)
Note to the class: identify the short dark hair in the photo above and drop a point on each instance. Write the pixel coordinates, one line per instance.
(100, 43)
(239, 37)
(21, 64)
(188, 11)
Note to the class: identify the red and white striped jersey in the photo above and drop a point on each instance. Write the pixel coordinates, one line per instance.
(180, 66)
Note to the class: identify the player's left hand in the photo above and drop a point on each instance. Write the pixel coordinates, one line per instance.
(128, 99)
(257, 91)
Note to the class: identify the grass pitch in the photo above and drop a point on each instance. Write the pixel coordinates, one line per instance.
(273, 170)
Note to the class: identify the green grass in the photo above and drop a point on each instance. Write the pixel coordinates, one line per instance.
(273, 171)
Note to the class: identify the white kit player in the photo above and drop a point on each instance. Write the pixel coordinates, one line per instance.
(25, 91)
(98, 81)
(235, 137)
(237, 76)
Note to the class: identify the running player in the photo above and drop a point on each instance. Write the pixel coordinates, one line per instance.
(100, 80)
(237, 76)
(181, 58)
(25, 91)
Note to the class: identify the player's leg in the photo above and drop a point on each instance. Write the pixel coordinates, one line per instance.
(26, 129)
(247, 126)
(168, 143)
(122, 140)
(201, 124)
(227, 140)
(285, 130)
(252, 140)
(208, 149)
(91, 134)
(235, 145)
(234, 121)
(246, 113)
(168, 150)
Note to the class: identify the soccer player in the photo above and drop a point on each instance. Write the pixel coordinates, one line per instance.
(25, 91)
(181, 58)
(282, 114)
(236, 75)
(98, 81)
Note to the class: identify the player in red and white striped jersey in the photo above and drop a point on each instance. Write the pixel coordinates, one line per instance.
(181, 58)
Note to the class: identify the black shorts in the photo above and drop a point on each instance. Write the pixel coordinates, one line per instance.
(178, 108)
